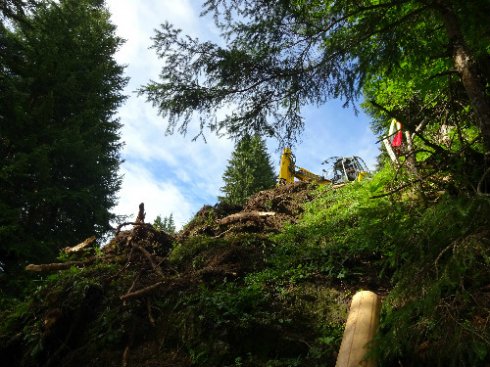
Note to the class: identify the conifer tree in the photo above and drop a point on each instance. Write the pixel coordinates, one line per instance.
(59, 139)
(249, 170)
(166, 224)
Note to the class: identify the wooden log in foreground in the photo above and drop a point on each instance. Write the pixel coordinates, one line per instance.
(39, 268)
(360, 329)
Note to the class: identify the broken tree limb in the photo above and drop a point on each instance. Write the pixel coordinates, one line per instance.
(142, 291)
(244, 216)
(210, 270)
(225, 232)
(149, 257)
(338, 186)
(404, 186)
(140, 218)
(118, 229)
(151, 319)
(89, 241)
(57, 266)
(481, 182)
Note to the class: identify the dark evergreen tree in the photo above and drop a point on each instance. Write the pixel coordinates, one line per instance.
(59, 140)
(16, 9)
(249, 170)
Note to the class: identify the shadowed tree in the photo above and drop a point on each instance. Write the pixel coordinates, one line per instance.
(249, 170)
(59, 138)
(166, 224)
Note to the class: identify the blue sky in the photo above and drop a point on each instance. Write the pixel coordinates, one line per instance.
(173, 174)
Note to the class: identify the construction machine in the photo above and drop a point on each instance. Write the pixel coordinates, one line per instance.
(289, 171)
(344, 169)
(347, 169)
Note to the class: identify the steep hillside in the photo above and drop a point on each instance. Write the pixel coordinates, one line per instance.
(269, 285)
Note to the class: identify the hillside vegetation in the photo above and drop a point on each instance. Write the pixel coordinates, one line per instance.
(243, 289)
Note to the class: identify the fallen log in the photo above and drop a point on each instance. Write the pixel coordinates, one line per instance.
(360, 329)
(149, 257)
(232, 218)
(89, 241)
(57, 266)
(142, 291)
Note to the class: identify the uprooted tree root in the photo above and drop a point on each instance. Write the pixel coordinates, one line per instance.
(141, 251)
(142, 269)
(265, 212)
(136, 274)
(147, 247)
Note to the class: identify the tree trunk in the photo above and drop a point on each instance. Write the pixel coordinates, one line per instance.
(412, 167)
(467, 68)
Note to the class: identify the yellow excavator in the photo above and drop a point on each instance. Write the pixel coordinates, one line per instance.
(289, 171)
(344, 169)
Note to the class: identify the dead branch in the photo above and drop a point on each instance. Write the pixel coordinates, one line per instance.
(149, 257)
(129, 345)
(118, 229)
(151, 319)
(482, 180)
(225, 232)
(142, 291)
(139, 221)
(57, 266)
(232, 218)
(140, 218)
(133, 284)
(89, 241)
(404, 186)
(125, 356)
(436, 262)
(210, 270)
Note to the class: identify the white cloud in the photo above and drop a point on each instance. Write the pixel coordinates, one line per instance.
(172, 174)
(160, 198)
(136, 21)
(193, 170)
(190, 167)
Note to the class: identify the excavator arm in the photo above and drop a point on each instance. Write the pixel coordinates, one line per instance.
(288, 171)
(303, 174)
(287, 167)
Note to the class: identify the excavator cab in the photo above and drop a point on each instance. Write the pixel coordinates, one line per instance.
(344, 169)
(347, 169)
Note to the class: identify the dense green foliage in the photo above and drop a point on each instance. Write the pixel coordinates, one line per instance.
(253, 299)
(59, 139)
(249, 170)
(432, 264)
(427, 93)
